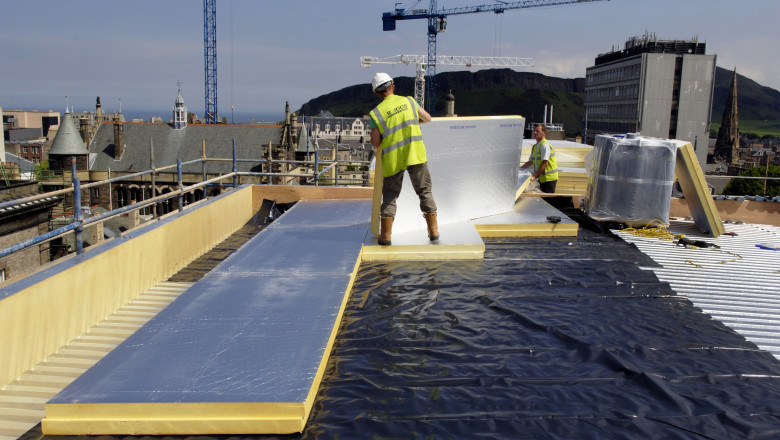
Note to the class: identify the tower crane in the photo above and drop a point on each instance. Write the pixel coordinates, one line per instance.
(437, 22)
(421, 61)
(210, 58)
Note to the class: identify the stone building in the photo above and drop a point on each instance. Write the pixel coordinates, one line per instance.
(122, 148)
(26, 133)
(21, 222)
(340, 128)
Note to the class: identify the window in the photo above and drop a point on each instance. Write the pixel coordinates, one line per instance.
(24, 149)
(2, 275)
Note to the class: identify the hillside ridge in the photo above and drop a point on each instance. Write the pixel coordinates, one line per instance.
(507, 92)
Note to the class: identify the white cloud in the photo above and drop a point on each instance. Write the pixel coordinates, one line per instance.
(751, 58)
(561, 64)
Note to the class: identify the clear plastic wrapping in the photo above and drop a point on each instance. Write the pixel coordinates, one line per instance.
(630, 179)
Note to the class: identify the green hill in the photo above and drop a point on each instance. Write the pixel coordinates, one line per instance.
(754, 101)
(758, 106)
(485, 92)
(506, 92)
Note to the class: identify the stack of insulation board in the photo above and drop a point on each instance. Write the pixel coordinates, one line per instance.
(572, 176)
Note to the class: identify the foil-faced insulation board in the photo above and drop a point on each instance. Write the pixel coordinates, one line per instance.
(474, 163)
(532, 217)
(243, 350)
(458, 241)
(523, 182)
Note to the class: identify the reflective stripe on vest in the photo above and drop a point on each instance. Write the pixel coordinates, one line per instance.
(551, 171)
(396, 118)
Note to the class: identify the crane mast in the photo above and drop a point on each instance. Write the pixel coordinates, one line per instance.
(437, 22)
(422, 61)
(210, 58)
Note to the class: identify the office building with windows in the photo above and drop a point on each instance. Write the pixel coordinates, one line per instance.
(659, 88)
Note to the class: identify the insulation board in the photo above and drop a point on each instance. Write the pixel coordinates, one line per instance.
(696, 191)
(473, 163)
(464, 240)
(457, 241)
(568, 154)
(523, 182)
(243, 350)
(529, 219)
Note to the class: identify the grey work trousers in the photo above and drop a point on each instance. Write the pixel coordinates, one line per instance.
(421, 181)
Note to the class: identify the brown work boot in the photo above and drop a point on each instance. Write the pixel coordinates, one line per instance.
(385, 230)
(433, 226)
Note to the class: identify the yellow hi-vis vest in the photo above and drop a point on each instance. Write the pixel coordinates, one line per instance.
(397, 119)
(551, 171)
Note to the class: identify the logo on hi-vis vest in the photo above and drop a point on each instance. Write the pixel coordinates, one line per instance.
(395, 111)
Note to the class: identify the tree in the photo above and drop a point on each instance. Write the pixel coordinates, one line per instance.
(41, 169)
(752, 187)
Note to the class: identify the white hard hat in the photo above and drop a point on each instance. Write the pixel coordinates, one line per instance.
(381, 82)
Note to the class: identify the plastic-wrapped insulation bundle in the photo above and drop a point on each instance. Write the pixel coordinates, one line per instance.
(630, 179)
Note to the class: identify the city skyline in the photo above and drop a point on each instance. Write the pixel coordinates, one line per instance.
(272, 52)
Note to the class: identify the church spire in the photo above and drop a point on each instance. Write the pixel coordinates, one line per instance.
(179, 112)
(727, 144)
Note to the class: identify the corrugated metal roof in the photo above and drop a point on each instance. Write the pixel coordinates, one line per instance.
(738, 283)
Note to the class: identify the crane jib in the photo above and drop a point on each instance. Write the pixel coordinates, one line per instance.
(437, 23)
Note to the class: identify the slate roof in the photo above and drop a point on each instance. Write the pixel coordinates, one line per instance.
(24, 164)
(184, 144)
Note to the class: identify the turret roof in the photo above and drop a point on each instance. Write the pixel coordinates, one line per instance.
(68, 141)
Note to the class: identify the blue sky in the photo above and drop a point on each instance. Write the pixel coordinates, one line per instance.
(269, 52)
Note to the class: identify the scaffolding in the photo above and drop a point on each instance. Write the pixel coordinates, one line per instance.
(313, 172)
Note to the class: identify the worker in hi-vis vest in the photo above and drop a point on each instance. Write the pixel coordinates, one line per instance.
(545, 166)
(395, 133)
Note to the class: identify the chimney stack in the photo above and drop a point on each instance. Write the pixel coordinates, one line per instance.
(294, 133)
(119, 138)
(450, 105)
(84, 129)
